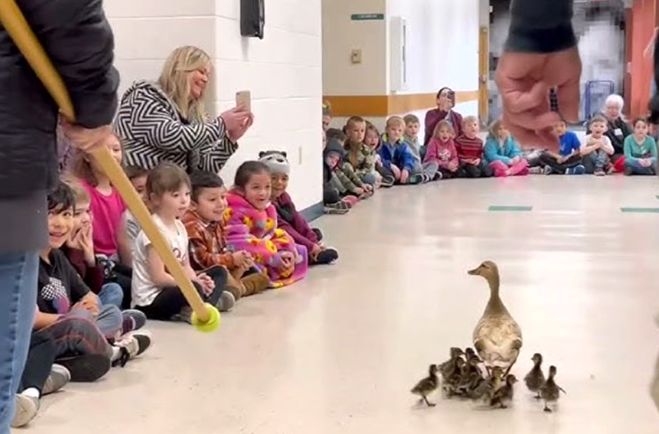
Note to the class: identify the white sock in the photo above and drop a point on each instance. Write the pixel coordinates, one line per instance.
(116, 352)
(32, 392)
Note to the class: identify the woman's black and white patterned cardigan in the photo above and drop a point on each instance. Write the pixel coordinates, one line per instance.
(152, 131)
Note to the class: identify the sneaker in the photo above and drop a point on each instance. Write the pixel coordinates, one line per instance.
(387, 182)
(628, 171)
(537, 170)
(133, 319)
(255, 283)
(579, 169)
(350, 200)
(439, 175)
(26, 409)
(226, 302)
(318, 232)
(336, 208)
(327, 256)
(599, 172)
(87, 367)
(57, 379)
(185, 315)
(415, 179)
(131, 346)
(610, 170)
(548, 170)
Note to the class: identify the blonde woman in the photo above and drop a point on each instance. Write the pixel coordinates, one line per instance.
(166, 120)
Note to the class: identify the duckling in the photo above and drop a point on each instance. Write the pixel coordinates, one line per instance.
(427, 385)
(452, 384)
(448, 368)
(504, 395)
(486, 388)
(469, 353)
(550, 391)
(535, 379)
(472, 376)
(497, 336)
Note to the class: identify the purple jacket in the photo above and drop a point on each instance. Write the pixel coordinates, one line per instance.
(290, 220)
(434, 116)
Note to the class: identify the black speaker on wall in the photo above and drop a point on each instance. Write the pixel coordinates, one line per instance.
(252, 18)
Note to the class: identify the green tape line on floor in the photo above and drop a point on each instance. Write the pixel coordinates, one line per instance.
(639, 210)
(509, 208)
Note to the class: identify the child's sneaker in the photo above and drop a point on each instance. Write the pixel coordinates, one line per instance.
(326, 256)
(579, 169)
(439, 175)
(548, 170)
(255, 283)
(537, 170)
(415, 179)
(387, 182)
(133, 319)
(599, 172)
(350, 199)
(628, 171)
(130, 346)
(25, 410)
(226, 302)
(58, 378)
(338, 208)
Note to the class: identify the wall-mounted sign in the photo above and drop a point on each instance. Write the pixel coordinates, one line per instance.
(366, 17)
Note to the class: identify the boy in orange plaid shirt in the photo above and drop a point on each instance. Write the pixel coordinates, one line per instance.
(203, 222)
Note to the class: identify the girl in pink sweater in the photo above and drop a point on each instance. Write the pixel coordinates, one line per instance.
(441, 155)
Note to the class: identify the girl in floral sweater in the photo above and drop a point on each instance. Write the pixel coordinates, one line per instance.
(251, 225)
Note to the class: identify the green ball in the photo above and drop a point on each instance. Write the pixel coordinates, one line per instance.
(213, 321)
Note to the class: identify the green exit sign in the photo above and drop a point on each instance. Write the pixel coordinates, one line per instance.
(366, 17)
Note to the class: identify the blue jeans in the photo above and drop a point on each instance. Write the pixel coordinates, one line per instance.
(111, 293)
(18, 300)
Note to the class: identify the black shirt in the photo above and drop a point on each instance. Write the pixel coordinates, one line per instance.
(60, 286)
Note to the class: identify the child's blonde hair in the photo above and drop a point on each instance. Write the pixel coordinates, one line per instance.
(443, 123)
(81, 167)
(469, 119)
(494, 128)
(395, 121)
(411, 119)
(79, 193)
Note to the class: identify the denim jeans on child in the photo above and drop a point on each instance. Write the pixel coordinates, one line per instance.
(111, 293)
(18, 296)
(596, 160)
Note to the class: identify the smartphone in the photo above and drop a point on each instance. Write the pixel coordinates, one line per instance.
(244, 100)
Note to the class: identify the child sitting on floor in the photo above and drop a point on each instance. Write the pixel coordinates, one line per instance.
(385, 177)
(155, 292)
(411, 138)
(441, 154)
(111, 245)
(596, 150)
(360, 159)
(62, 294)
(470, 151)
(251, 225)
(568, 159)
(396, 155)
(503, 154)
(137, 177)
(289, 219)
(640, 150)
(79, 249)
(204, 224)
(339, 184)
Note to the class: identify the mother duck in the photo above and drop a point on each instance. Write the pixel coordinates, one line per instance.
(497, 336)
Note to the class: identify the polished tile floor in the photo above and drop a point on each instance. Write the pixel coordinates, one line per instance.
(339, 352)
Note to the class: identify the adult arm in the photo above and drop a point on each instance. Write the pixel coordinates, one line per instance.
(541, 26)
(213, 156)
(151, 122)
(79, 41)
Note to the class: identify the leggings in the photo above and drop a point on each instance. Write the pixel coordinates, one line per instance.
(40, 359)
(171, 300)
(518, 169)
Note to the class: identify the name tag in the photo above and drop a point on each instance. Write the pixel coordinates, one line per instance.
(618, 132)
